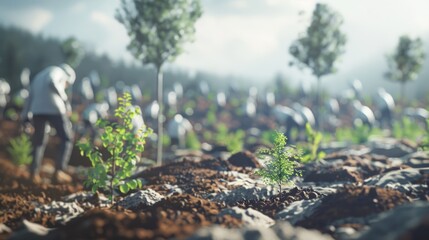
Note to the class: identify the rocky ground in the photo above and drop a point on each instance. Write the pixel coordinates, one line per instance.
(374, 191)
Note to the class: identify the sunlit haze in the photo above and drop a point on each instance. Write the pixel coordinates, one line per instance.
(249, 39)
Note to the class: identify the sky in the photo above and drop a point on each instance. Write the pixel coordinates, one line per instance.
(243, 38)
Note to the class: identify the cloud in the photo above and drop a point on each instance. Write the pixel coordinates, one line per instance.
(239, 4)
(78, 7)
(34, 19)
(234, 43)
(103, 19)
(253, 39)
(112, 35)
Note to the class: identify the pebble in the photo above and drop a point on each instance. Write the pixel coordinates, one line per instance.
(243, 193)
(146, 197)
(298, 210)
(63, 211)
(249, 216)
(281, 230)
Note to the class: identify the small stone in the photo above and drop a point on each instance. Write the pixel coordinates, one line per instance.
(4, 229)
(249, 216)
(143, 197)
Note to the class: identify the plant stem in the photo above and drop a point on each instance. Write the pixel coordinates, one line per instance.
(111, 179)
(318, 103)
(161, 106)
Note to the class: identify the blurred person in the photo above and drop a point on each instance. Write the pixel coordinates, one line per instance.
(90, 115)
(150, 113)
(385, 105)
(178, 128)
(111, 97)
(290, 119)
(306, 114)
(363, 115)
(330, 119)
(4, 96)
(48, 105)
(419, 115)
(137, 121)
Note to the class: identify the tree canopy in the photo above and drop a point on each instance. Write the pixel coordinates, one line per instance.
(406, 61)
(158, 30)
(322, 44)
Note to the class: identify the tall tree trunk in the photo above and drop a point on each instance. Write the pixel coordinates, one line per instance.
(318, 104)
(403, 94)
(402, 107)
(159, 84)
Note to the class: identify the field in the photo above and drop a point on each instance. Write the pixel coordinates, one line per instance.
(376, 190)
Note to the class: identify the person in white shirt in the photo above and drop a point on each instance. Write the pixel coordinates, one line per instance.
(178, 128)
(385, 106)
(48, 105)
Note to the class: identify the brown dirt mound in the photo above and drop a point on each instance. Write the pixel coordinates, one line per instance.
(174, 217)
(18, 196)
(353, 201)
(333, 174)
(244, 159)
(16, 180)
(279, 202)
(192, 177)
(14, 208)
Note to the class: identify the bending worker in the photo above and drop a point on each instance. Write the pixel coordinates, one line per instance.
(48, 105)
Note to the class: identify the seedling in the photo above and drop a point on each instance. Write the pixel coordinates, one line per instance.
(268, 137)
(282, 165)
(211, 115)
(20, 150)
(424, 145)
(123, 146)
(359, 134)
(406, 129)
(233, 141)
(314, 138)
(192, 141)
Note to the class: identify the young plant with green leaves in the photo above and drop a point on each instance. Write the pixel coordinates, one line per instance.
(405, 128)
(233, 141)
(311, 149)
(282, 164)
(267, 137)
(20, 150)
(192, 141)
(358, 135)
(123, 146)
(424, 144)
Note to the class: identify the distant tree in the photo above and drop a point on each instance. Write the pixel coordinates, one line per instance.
(281, 86)
(12, 64)
(406, 62)
(158, 32)
(321, 46)
(73, 51)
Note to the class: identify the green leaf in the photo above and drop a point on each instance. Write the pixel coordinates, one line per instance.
(124, 188)
(132, 184)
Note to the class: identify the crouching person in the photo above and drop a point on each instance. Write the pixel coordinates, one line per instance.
(178, 128)
(48, 105)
